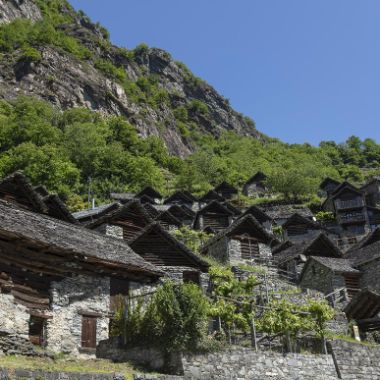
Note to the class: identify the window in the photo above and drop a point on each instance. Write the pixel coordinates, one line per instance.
(37, 327)
(249, 248)
(89, 331)
(191, 277)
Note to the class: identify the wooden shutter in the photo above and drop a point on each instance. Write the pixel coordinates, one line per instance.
(249, 248)
(89, 332)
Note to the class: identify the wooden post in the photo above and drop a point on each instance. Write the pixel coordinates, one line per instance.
(253, 330)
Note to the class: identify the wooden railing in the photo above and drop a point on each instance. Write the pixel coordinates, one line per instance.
(352, 203)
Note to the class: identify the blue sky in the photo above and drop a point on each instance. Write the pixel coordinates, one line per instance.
(304, 70)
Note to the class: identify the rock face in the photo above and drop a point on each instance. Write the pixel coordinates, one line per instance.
(66, 81)
(12, 9)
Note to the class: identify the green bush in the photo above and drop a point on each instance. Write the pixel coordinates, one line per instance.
(175, 319)
(110, 70)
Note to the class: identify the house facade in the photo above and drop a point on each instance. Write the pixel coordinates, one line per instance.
(245, 241)
(57, 280)
(256, 186)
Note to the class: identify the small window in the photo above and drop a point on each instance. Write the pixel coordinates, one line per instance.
(37, 328)
(89, 331)
(314, 271)
(191, 277)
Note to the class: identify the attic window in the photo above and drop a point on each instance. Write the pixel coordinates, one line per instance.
(313, 270)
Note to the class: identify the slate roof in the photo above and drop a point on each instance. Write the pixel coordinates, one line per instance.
(345, 186)
(166, 216)
(302, 248)
(257, 213)
(171, 240)
(185, 197)
(225, 186)
(96, 212)
(150, 192)
(72, 240)
(119, 211)
(297, 218)
(210, 196)
(335, 264)
(17, 189)
(364, 255)
(328, 180)
(257, 178)
(364, 305)
(286, 211)
(369, 239)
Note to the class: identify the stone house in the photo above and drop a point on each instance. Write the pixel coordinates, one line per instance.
(265, 220)
(157, 246)
(349, 207)
(122, 197)
(367, 260)
(181, 198)
(58, 280)
(280, 213)
(292, 259)
(328, 185)
(88, 216)
(151, 194)
(17, 189)
(255, 186)
(124, 222)
(215, 216)
(364, 308)
(299, 228)
(245, 241)
(182, 213)
(225, 190)
(168, 221)
(210, 196)
(332, 276)
(372, 191)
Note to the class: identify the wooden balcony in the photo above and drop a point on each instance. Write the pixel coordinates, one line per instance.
(351, 218)
(352, 203)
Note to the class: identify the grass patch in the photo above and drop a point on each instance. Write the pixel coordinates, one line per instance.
(66, 364)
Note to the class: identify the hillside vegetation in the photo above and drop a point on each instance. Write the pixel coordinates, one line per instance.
(151, 121)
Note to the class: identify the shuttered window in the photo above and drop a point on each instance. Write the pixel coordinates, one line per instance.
(249, 248)
(88, 332)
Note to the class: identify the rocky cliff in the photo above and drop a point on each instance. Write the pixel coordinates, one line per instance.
(158, 95)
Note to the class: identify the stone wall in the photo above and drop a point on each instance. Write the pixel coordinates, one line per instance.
(355, 361)
(71, 299)
(370, 276)
(24, 374)
(318, 277)
(14, 317)
(247, 364)
(219, 250)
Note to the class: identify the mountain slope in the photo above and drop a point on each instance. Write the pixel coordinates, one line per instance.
(158, 95)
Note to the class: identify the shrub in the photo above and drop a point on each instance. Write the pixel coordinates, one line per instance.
(174, 320)
(110, 70)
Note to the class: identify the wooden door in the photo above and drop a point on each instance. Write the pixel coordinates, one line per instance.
(37, 331)
(88, 332)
